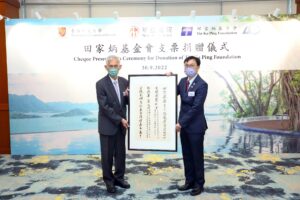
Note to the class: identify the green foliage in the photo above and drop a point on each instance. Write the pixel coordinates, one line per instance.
(225, 109)
(291, 97)
(296, 82)
(257, 94)
(282, 17)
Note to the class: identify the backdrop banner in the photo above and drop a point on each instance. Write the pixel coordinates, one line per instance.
(53, 65)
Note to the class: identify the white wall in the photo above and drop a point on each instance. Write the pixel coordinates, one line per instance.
(65, 8)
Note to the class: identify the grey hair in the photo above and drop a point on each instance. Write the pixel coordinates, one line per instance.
(112, 57)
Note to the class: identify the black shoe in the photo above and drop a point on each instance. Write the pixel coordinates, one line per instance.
(196, 191)
(122, 184)
(186, 186)
(111, 188)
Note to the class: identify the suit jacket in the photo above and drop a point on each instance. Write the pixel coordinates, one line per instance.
(191, 116)
(111, 111)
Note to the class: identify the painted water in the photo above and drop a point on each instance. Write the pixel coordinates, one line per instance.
(79, 135)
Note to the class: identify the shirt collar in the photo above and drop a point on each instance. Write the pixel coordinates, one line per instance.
(113, 80)
(192, 80)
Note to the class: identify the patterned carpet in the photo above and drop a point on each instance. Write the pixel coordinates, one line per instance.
(152, 176)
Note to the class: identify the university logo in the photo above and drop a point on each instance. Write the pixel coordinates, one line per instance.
(186, 31)
(62, 31)
(134, 31)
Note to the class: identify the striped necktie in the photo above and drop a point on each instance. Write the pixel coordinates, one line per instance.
(187, 85)
(117, 89)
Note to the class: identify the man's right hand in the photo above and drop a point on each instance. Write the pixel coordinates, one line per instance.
(125, 123)
(168, 73)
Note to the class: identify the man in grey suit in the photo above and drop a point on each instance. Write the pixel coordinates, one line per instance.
(112, 99)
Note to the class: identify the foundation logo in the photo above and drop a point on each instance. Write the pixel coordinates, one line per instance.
(62, 31)
(186, 31)
(134, 31)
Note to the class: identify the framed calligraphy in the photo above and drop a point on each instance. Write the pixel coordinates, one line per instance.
(152, 113)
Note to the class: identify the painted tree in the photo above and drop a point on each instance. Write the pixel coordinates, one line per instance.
(254, 93)
(291, 95)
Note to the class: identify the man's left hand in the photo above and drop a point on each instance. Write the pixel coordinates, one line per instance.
(125, 123)
(126, 92)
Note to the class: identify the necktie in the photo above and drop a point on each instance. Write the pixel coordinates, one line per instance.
(116, 86)
(187, 85)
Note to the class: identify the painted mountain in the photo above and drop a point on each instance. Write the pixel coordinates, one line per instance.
(32, 104)
(28, 103)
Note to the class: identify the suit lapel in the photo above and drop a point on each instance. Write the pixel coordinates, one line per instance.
(183, 85)
(195, 84)
(192, 87)
(122, 89)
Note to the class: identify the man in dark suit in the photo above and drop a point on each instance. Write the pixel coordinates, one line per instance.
(112, 99)
(192, 125)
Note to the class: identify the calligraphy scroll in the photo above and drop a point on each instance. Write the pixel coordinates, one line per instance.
(152, 112)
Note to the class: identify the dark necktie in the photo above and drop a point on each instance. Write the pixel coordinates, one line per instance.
(187, 85)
